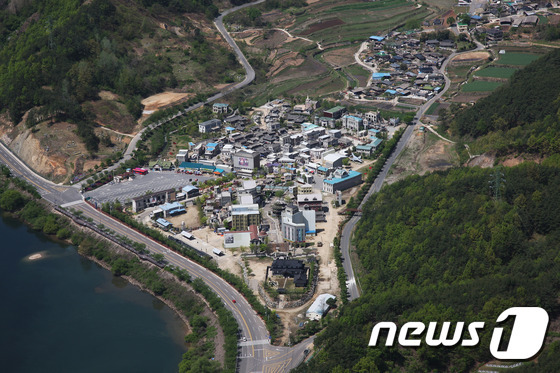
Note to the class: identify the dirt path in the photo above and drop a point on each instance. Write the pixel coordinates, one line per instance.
(363, 64)
(429, 127)
(117, 132)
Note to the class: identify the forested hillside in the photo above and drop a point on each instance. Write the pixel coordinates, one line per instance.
(57, 54)
(531, 95)
(521, 117)
(450, 246)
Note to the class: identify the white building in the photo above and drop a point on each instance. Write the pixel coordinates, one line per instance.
(353, 123)
(319, 307)
(297, 224)
(333, 160)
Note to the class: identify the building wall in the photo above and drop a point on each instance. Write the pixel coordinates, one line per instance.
(243, 221)
(154, 199)
(342, 185)
(246, 161)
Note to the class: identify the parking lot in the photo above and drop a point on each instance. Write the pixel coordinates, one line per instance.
(154, 181)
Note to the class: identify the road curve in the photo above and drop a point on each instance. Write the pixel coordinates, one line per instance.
(345, 239)
(249, 77)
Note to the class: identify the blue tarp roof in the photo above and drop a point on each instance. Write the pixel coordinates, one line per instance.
(376, 142)
(219, 170)
(230, 129)
(163, 222)
(377, 38)
(188, 188)
(322, 169)
(171, 206)
(391, 91)
(196, 165)
(380, 75)
(177, 211)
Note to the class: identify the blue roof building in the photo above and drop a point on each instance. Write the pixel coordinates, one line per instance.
(377, 38)
(174, 208)
(164, 223)
(341, 180)
(196, 166)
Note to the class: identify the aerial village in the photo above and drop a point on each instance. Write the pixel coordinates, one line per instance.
(270, 184)
(263, 193)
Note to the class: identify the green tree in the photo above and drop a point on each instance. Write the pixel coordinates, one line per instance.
(11, 200)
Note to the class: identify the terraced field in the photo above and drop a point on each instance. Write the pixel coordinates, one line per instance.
(496, 72)
(516, 59)
(480, 86)
(333, 21)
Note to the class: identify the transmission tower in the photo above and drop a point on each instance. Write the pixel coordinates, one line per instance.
(497, 183)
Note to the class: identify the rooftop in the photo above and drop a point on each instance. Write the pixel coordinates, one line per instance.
(346, 175)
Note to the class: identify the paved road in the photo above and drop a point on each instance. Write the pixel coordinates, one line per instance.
(257, 355)
(249, 77)
(345, 240)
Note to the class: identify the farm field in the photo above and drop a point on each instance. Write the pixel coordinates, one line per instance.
(496, 72)
(480, 86)
(516, 59)
(332, 22)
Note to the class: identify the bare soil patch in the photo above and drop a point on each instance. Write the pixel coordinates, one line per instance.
(113, 115)
(340, 57)
(190, 218)
(471, 56)
(424, 153)
(485, 160)
(517, 160)
(321, 25)
(160, 100)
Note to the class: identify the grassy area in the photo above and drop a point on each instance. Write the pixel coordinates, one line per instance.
(496, 72)
(432, 108)
(516, 59)
(480, 86)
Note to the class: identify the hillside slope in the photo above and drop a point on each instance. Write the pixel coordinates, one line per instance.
(90, 63)
(531, 95)
(441, 248)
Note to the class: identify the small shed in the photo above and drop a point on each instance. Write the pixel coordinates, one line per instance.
(319, 307)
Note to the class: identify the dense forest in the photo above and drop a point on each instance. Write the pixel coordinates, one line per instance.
(451, 246)
(521, 117)
(56, 55)
(531, 95)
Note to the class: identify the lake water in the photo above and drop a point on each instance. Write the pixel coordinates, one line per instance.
(64, 313)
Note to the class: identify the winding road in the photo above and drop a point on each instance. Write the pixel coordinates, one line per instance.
(256, 353)
(346, 237)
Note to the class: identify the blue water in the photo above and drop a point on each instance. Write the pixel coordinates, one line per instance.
(64, 313)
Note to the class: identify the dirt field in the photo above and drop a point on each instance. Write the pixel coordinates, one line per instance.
(472, 56)
(322, 25)
(190, 219)
(424, 153)
(340, 57)
(163, 99)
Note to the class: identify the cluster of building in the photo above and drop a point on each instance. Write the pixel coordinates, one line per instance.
(300, 150)
(406, 67)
